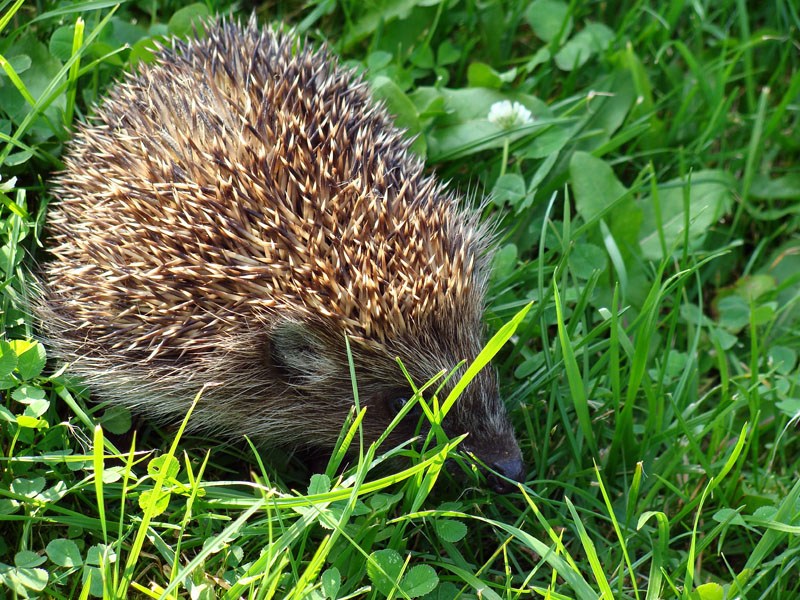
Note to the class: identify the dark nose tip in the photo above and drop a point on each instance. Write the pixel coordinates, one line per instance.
(511, 467)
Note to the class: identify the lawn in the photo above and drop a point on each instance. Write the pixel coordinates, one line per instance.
(642, 162)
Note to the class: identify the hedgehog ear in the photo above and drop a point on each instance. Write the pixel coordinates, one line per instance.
(297, 351)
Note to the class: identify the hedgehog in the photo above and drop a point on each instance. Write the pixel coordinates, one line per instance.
(230, 214)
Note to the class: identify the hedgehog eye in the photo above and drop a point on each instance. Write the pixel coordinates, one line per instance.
(398, 402)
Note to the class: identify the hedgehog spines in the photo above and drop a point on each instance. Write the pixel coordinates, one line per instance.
(329, 198)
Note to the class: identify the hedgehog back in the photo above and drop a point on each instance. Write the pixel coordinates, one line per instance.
(245, 175)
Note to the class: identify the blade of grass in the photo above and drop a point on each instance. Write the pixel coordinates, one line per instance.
(97, 454)
(483, 358)
(133, 555)
(10, 14)
(591, 553)
(658, 561)
(574, 378)
(72, 78)
(618, 532)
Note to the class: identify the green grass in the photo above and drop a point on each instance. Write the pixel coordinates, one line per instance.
(651, 213)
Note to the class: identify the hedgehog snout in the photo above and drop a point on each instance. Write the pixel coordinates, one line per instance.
(509, 465)
(491, 435)
(501, 455)
(490, 438)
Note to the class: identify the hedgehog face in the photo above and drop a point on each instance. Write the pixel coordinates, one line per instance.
(479, 411)
(311, 362)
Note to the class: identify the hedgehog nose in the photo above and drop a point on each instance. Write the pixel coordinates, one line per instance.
(511, 467)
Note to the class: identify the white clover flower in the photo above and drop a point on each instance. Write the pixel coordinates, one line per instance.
(6, 187)
(508, 116)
